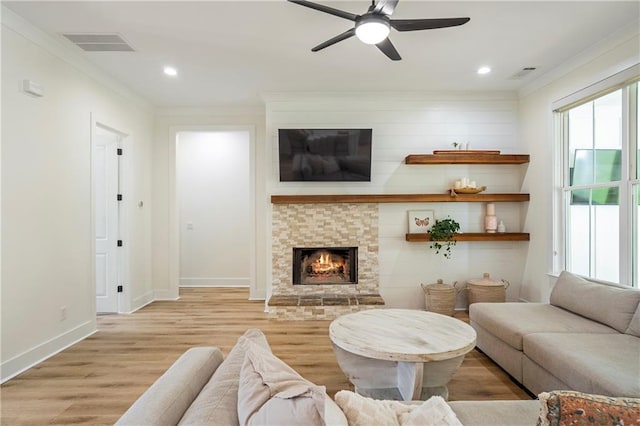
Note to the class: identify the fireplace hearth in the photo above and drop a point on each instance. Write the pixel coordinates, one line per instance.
(325, 265)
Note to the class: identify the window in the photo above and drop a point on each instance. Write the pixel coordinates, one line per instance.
(600, 190)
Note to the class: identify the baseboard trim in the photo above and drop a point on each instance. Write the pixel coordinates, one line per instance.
(165, 295)
(46, 350)
(142, 301)
(214, 282)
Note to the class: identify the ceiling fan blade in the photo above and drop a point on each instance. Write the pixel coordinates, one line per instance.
(345, 35)
(385, 7)
(326, 9)
(387, 48)
(426, 24)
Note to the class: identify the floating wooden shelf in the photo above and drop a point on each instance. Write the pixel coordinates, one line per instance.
(397, 198)
(474, 236)
(467, 158)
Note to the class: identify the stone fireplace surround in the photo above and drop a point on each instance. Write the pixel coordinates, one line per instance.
(323, 225)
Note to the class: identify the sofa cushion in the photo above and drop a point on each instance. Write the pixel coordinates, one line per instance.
(605, 364)
(537, 379)
(511, 321)
(496, 413)
(634, 325)
(169, 397)
(613, 306)
(507, 357)
(576, 408)
(218, 401)
(272, 393)
(363, 411)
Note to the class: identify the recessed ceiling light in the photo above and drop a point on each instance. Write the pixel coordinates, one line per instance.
(484, 70)
(170, 71)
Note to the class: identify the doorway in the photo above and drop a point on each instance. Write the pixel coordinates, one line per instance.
(214, 205)
(107, 195)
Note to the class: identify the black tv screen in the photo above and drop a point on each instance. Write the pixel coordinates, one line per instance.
(324, 155)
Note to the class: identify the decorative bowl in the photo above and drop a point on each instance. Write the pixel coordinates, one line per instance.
(467, 190)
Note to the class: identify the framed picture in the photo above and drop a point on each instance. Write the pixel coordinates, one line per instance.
(420, 221)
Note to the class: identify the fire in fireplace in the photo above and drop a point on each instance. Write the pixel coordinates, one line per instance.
(325, 265)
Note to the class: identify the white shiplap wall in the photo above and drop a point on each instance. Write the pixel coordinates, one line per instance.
(417, 124)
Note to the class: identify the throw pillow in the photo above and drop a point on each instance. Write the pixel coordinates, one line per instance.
(218, 400)
(608, 304)
(634, 325)
(434, 411)
(363, 411)
(559, 408)
(272, 393)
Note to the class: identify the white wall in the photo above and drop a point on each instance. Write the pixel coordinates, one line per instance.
(46, 194)
(613, 55)
(417, 124)
(165, 216)
(213, 192)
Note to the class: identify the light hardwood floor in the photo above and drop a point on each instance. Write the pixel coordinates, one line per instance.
(96, 380)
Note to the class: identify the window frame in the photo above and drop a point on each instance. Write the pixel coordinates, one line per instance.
(634, 183)
(628, 262)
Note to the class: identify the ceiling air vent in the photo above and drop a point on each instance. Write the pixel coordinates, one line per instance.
(522, 73)
(92, 42)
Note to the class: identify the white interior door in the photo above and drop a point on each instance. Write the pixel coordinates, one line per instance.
(106, 171)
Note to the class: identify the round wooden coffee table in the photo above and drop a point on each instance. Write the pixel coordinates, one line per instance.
(400, 354)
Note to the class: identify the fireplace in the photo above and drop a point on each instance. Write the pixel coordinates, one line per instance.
(306, 226)
(325, 265)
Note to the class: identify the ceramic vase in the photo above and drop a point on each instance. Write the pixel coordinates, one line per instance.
(490, 219)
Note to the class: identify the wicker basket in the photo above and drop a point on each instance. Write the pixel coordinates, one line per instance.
(486, 290)
(440, 298)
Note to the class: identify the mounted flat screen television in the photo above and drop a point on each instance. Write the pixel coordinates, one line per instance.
(338, 155)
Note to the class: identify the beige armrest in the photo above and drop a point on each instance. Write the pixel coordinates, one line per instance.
(167, 399)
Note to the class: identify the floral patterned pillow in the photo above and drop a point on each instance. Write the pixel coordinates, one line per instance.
(560, 408)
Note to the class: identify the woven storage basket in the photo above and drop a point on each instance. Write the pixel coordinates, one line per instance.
(486, 290)
(440, 298)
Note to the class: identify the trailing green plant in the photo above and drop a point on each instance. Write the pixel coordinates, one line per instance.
(442, 233)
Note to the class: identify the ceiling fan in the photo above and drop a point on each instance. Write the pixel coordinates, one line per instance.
(373, 27)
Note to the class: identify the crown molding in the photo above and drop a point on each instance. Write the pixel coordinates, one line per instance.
(628, 33)
(218, 111)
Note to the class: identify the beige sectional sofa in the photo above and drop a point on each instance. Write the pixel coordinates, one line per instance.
(203, 388)
(586, 339)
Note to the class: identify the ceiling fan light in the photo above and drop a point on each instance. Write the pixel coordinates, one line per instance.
(372, 31)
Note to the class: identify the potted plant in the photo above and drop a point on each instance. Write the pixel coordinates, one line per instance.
(442, 233)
